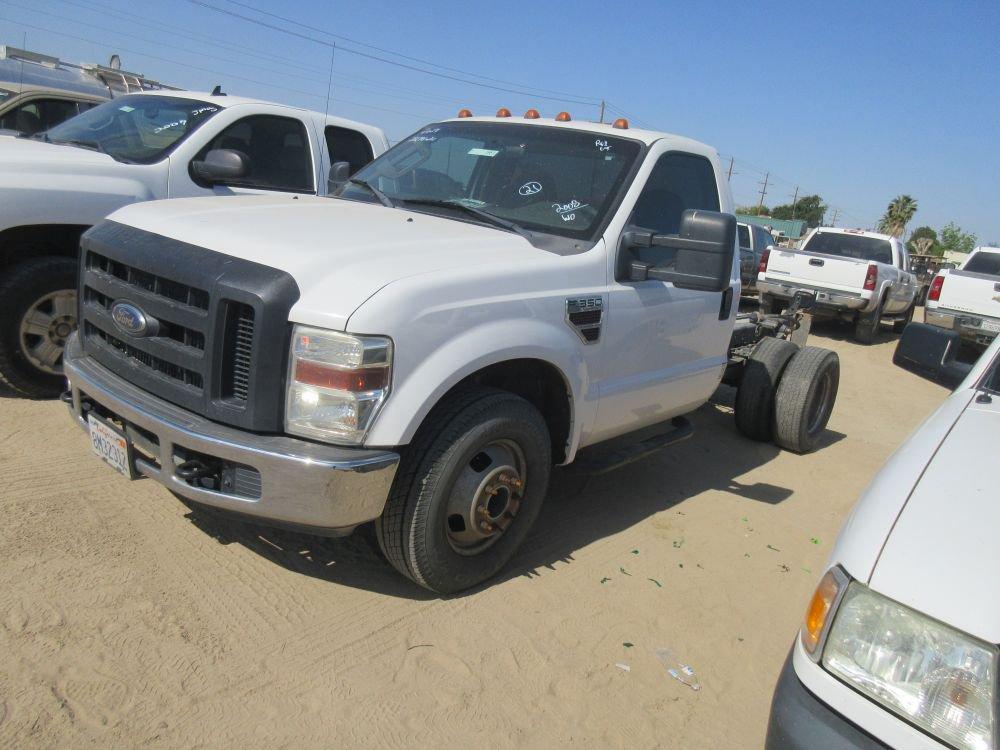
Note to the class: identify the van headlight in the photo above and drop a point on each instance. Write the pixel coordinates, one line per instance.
(336, 383)
(932, 675)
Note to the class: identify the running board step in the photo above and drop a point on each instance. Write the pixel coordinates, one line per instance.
(602, 463)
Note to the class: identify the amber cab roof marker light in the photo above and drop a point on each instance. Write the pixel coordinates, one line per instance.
(503, 112)
(621, 123)
(464, 113)
(531, 114)
(563, 117)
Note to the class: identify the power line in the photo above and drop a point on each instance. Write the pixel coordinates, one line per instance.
(398, 64)
(292, 21)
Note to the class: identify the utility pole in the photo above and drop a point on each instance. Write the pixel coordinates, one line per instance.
(835, 212)
(763, 192)
(729, 177)
(602, 111)
(795, 199)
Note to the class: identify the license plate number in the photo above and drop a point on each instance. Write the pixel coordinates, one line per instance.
(991, 326)
(111, 445)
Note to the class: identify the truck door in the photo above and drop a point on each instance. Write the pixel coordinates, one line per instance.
(279, 150)
(906, 288)
(664, 348)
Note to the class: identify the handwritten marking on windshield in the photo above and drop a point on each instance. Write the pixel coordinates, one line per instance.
(567, 211)
(602, 145)
(174, 124)
(530, 188)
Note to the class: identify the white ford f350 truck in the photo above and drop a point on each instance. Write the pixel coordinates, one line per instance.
(967, 300)
(857, 276)
(477, 304)
(134, 148)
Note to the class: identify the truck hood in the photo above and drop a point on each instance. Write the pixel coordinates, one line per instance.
(942, 555)
(45, 183)
(339, 252)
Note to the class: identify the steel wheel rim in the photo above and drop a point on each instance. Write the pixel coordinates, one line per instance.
(820, 404)
(485, 497)
(45, 327)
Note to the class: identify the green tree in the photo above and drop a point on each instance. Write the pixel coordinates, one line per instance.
(897, 215)
(953, 239)
(924, 241)
(808, 208)
(752, 211)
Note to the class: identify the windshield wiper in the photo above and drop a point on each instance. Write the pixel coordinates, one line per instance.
(79, 142)
(384, 199)
(43, 136)
(478, 213)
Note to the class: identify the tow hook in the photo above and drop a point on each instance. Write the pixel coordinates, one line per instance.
(193, 470)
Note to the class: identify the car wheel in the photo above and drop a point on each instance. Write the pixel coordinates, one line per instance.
(805, 398)
(867, 326)
(901, 323)
(38, 315)
(756, 391)
(468, 490)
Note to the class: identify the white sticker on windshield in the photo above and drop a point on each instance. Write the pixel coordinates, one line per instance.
(530, 188)
(126, 108)
(483, 152)
(602, 145)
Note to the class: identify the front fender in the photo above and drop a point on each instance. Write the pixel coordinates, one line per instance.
(416, 392)
(63, 201)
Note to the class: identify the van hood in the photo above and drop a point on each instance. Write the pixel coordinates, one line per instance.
(942, 555)
(339, 252)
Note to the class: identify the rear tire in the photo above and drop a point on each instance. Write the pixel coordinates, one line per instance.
(899, 325)
(867, 326)
(468, 490)
(38, 313)
(756, 392)
(805, 398)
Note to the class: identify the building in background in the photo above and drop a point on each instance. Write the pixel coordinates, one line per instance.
(784, 230)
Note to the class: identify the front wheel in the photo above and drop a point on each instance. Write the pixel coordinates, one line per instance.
(38, 314)
(468, 490)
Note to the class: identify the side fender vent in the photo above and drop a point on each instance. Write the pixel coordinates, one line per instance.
(585, 316)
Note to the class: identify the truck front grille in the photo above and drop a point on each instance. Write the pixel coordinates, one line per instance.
(217, 332)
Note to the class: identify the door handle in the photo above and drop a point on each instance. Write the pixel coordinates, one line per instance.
(816, 261)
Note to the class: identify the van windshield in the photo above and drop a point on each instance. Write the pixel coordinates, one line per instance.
(850, 246)
(987, 263)
(534, 178)
(140, 129)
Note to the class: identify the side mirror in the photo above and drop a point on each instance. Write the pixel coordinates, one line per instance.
(221, 165)
(929, 351)
(340, 172)
(705, 245)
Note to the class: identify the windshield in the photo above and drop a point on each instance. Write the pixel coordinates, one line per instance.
(138, 129)
(5, 95)
(850, 246)
(540, 179)
(980, 262)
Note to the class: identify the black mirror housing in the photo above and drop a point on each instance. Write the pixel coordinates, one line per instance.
(221, 165)
(340, 172)
(929, 351)
(705, 245)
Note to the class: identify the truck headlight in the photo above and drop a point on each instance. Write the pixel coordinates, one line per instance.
(930, 674)
(336, 383)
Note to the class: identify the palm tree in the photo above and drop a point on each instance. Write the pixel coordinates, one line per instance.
(897, 215)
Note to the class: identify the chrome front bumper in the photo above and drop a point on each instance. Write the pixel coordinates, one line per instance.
(830, 300)
(278, 479)
(969, 327)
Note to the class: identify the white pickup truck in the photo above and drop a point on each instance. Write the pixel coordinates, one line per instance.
(482, 301)
(134, 148)
(967, 300)
(857, 276)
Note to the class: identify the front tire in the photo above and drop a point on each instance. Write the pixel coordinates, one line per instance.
(38, 314)
(468, 490)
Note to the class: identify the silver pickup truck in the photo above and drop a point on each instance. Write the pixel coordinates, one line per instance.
(857, 276)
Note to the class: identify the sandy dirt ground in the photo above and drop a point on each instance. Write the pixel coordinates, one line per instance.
(126, 620)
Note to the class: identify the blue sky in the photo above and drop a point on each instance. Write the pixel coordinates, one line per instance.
(858, 102)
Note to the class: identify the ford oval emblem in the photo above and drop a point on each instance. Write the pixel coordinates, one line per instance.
(129, 318)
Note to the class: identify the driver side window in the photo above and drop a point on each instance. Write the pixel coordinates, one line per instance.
(677, 183)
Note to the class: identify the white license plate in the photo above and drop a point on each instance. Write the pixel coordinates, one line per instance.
(992, 326)
(111, 445)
